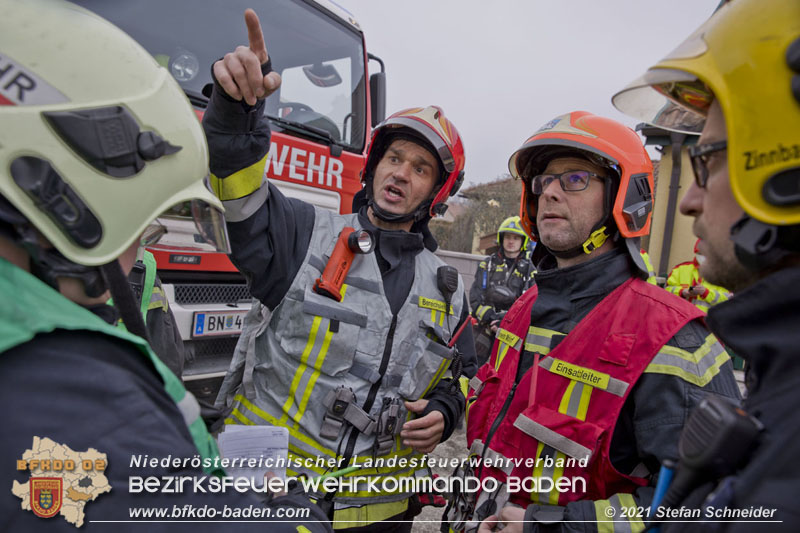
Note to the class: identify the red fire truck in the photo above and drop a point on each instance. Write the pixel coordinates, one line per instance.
(321, 119)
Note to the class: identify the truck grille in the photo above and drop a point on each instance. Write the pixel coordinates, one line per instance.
(206, 293)
(209, 355)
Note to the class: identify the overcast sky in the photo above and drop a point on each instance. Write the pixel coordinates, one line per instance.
(502, 69)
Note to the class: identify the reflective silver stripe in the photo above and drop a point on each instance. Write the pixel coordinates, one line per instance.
(189, 408)
(499, 461)
(534, 341)
(316, 262)
(475, 383)
(551, 438)
(575, 399)
(667, 357)
(476, 448)
(615, 386)
(334, 313)
(243, 208)
(365, 372)
(363, 284)
(158, 300)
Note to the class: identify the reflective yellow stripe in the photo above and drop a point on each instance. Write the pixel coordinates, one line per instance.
(562, 407)
(698, 368)
(241, 183)
(437, 376)
(503, 350)
(463, 382)
(314, 376)
(368, 514)
(302, 529)
(298, 374)
(537, 470)
(558, 472)
(583, 407)
(540, 340)
(273, 421)
(240, 419)
(602, 512)
(158, 300)
(626, 501)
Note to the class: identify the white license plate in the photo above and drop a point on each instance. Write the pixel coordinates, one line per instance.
(210, 323)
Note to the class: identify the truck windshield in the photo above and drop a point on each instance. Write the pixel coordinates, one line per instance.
(320, 57)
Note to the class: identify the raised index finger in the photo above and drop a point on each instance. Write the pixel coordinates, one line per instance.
(255, 36)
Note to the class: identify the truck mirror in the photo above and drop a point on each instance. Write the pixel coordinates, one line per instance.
(377, 96)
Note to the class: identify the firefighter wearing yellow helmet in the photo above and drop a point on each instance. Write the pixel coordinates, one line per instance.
(500, 279)
(736, 81)
(96, 140)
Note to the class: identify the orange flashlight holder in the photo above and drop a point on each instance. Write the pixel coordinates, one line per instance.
(350, 243)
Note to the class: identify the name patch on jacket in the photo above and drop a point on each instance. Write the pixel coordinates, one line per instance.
(579, 373)
(507, 337)
(436, 305)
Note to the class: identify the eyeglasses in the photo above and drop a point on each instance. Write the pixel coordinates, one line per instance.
(573, 180)
(700, 155)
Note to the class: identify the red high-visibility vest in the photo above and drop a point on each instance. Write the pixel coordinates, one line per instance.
(581, 387)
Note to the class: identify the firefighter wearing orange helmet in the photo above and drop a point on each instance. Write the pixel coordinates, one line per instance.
(593, 369)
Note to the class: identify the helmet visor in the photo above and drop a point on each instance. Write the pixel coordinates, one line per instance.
(195, 226)
(671, 99)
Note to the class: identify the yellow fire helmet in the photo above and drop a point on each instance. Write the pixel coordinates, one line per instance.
(512, 225)
(747, 56)
(96, 139)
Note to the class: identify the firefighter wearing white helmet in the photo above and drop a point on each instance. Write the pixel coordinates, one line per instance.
(355, 370)
(96, 140)
(736, 81)
(500, 279)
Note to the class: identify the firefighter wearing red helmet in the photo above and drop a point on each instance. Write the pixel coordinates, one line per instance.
(593, 369)
(355, 372)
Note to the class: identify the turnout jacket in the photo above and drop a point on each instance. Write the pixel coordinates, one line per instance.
(760, 324)
(301, 352)
(651, 393)
(84, 384)
(516, 274)
(686, 275)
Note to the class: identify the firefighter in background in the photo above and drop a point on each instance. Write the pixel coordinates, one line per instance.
(738, 81)
(685, 281)
(71, 212)
(355, 372)
(501, 278)
(594, 370)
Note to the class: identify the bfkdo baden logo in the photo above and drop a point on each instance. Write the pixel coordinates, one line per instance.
(46, 495)
(62, 481)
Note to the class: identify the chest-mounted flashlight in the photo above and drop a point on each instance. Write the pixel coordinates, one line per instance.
(351, 242)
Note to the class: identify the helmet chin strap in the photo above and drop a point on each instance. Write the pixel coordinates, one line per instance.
(48, 264)
(596, 239)
(759, 246)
